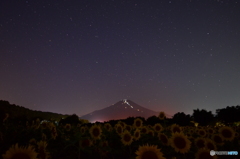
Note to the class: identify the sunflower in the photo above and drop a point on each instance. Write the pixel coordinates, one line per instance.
(158, 127)
(50, 125)
(209, 144)
(149, 152)
(54, 132)
(137, 134)
(199, 142)
(126, 138)
(190, 131)
(137, 123)
(42, 153)
(227, 133)
(82, 129)
(161, 116)
(162, 137)
(95, 132)
(204, 154)
(202, 132)
(144, 130)
(85, 143)
(16, 152)
(122, 124)
(218, 139)
(104, 150)
(108, 126)
(210, 131)
(175, 128)
(180, 142)
(128, 127)
(68, 127)
(119, 128)
(150, 132)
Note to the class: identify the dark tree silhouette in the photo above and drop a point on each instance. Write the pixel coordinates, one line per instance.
(152, 120)
(73, 119)
(228, 114)
(129, 120)
(112, 122)
(202, 117)
(181, 119)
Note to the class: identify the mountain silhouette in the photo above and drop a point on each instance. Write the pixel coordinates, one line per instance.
(121, 110)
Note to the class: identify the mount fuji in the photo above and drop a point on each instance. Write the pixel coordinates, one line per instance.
(121, 110)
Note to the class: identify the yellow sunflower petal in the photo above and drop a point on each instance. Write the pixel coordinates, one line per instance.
(180, 142)
(126, 138)
(149, 152)
(95, 131)
(16, 152)
(227, 133)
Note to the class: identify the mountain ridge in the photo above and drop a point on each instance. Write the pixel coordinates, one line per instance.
(120, 110)
(16, 111)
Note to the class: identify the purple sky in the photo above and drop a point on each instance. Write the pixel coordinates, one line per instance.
(76, 56)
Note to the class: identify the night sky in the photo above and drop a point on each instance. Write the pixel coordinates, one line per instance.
(76, 56)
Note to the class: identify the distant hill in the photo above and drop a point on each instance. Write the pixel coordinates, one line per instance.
(121, 110)
(16, 111)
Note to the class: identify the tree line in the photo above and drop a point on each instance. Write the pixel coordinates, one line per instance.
(226, 116)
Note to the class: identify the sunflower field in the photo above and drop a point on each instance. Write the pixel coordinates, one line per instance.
(50, 140)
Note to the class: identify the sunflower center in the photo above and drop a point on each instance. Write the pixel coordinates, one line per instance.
(180, 142)
(21, 156)
(202, 133)
(137, 134)
(149, 155)
(127, 137)
(119, 129)
(227, 133)
(158, 128)
(96, 132)
(138, 123)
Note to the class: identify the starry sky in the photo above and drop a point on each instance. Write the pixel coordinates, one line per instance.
(76, 56)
